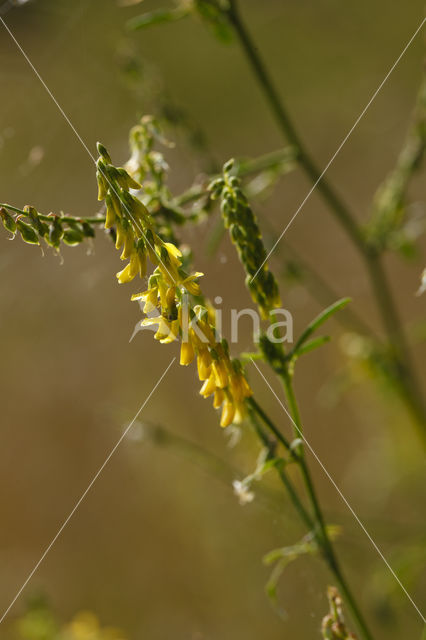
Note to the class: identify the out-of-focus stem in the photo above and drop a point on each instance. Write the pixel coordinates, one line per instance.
(408, 383)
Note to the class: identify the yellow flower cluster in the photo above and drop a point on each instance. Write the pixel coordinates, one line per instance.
(169, 291)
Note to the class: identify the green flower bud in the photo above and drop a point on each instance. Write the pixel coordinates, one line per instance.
(125, 181)
(73, 236)
(103, 152)
(56, 233)
(27, 232)
(88, 230)
(227, 167)
(8, 220)
(42, 228)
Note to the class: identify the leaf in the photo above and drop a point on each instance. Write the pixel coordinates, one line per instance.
(282, 557)
(272, 584)
(319, 320)
(159, 16)
(310, 345)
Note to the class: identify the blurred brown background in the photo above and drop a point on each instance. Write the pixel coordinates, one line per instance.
(161, 547)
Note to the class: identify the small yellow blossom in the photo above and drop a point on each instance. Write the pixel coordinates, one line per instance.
(187, 353)
(228, 413)
(209, 386)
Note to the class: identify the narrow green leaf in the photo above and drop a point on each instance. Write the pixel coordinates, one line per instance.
(272, 584)
(319, 320)
(310, 345)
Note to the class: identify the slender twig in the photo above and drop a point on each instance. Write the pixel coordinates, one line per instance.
(305, 160)
(408, 384)
(256, 410)
(67, 219)
(243, 168)
(319, 529)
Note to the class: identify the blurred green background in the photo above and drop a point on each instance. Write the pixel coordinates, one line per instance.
(160, 547)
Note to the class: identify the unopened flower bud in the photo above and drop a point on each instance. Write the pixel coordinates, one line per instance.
(55, 233)
(8, 220)
(73, 236)
(27, 232)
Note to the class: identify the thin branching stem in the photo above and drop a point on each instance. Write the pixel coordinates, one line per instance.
(408, 383)
(286, 125)
(256, 410)
(317, 525)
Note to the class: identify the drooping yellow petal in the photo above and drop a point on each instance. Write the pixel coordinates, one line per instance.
(150, 297)
(142, 263)
(240, 388)
(228, 413)
(219, 397)
(129, 244)
(172, 250)
(204, 364)
(220, 374)
(173, 332)
(208, 387)
(110, 213)
(121, 236)
(190, 285)
(187, 353)
(129, 271)
(240, 411)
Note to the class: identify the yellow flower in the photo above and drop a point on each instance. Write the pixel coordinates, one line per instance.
(208, 387)
(219, 397)
(174, 253)
(190, 285)
(240, 412)
(121, 236)
(167, 331)
(239, 386)
(150, 297)
(187, 353)
(110, 213)
(204, 361)
(228, 413)
(129, 245)
(142, 263)
(130, 271)
(220, 373)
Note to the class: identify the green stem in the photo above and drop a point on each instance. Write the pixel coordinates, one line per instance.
(66, 219)
(320, 529)
(271, 426)
(408, 383)
(405, 373)
(286, 125)
(255, 409)
(244, 168)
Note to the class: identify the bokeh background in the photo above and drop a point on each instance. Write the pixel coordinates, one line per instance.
(160, 547)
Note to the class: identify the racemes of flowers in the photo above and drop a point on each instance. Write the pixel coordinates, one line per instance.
(171, 291)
